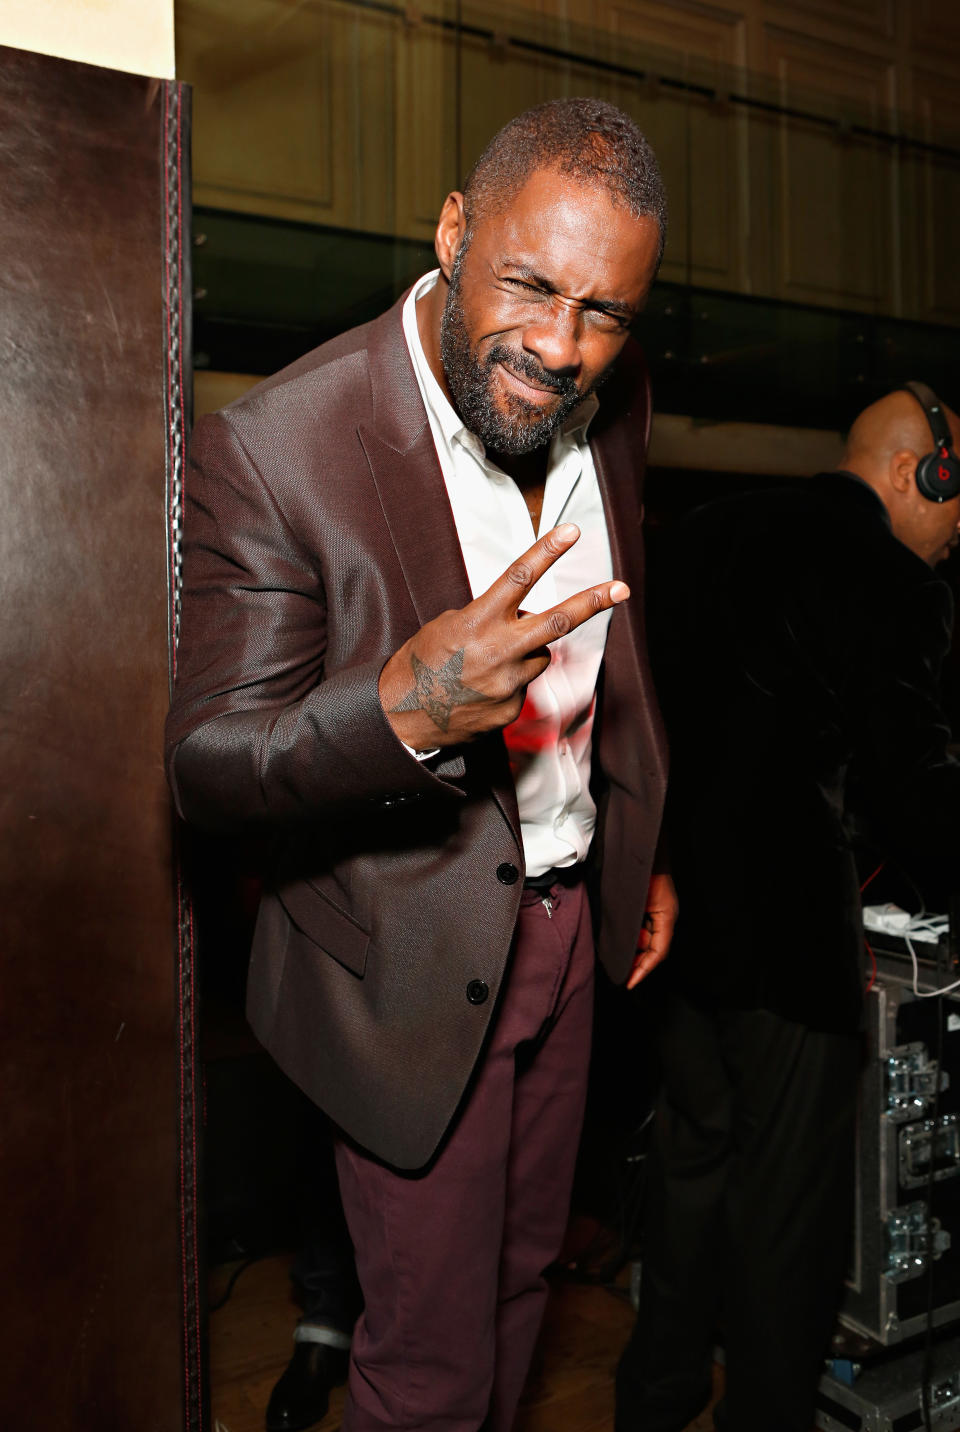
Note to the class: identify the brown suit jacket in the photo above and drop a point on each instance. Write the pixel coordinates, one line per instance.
(318, 538)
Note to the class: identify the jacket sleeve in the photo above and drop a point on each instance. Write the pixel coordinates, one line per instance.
(258, 731)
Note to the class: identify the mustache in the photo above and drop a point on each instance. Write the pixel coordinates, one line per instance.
(528, 367)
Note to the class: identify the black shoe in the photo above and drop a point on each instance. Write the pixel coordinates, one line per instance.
(302, 1394)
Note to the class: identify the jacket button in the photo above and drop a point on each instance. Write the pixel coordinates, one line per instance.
(477, 991)
(507, 874)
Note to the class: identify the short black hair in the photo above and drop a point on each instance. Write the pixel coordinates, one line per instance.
(590, 139)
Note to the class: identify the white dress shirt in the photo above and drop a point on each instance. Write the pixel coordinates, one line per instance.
(550, 742)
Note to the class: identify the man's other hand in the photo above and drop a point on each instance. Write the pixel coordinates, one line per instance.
(657, 929)
(466, 672)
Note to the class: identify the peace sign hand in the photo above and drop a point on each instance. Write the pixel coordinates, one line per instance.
(466, 672)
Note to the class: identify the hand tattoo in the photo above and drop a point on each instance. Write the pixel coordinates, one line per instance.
(438, 689)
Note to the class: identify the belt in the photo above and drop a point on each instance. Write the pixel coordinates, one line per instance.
(557, 875)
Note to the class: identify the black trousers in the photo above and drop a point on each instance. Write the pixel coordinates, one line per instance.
(324, 1272)
(748, 1222)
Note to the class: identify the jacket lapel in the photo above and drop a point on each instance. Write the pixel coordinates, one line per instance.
(400, 450)
(632, 743)
(403, 460)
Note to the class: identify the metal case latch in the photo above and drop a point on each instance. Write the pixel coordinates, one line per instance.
(912, 1081)
(945, 1396)
(913, 1240)
(919, 1144)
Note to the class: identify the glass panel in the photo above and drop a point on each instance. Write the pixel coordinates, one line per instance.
(804, 220)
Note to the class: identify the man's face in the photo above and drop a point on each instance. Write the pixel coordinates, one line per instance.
(934, 532)
(539, 306)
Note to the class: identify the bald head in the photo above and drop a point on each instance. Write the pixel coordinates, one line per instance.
(896, 423)
(884, 447)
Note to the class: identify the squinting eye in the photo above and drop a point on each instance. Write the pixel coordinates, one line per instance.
(526, 290)
(612, 322)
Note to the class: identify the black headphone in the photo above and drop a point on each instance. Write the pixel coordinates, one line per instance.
(938, 472)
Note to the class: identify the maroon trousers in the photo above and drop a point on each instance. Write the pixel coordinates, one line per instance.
(451, 1262)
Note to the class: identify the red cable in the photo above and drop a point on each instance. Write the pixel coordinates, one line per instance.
(873, 960)
(870, 878)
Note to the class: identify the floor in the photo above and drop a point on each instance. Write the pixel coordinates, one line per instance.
(570, 1387)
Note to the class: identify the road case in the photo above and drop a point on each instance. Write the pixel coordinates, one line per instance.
(888, 1397)
(909, 1115)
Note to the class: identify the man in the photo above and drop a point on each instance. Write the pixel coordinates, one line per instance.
(800, 632)
(365, 609)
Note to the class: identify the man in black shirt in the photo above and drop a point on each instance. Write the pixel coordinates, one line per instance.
(800, 633)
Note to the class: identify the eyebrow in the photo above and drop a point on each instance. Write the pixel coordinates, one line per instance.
(530, 275)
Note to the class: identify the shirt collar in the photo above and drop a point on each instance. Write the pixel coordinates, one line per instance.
(438, 405)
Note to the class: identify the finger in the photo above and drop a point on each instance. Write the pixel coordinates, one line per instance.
(645, 962)
(564, 618)
(509, 590)
(636, 974)
(534, 664)
(653, 945)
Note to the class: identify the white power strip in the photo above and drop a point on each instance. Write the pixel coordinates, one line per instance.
(889, 917)
(921, 928)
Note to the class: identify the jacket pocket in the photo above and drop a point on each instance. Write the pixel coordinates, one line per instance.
(330, 928)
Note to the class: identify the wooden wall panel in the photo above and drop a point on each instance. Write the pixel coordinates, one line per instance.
(713, 33)
(376, 116)
(425, 128)
(244, 72)
(340, 114)
(295, 110)
(930, 205)
(835, 209)
(700, 145)
(934, 27)
(506, 79)
(873, 18)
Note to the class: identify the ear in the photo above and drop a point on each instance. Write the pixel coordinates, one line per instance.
(450, 231)
(902, 469)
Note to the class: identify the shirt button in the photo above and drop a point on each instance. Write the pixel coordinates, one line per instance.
(564, 748)
(477, 991)
(507, 874)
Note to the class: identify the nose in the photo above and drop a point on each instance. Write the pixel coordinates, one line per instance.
(554, 338)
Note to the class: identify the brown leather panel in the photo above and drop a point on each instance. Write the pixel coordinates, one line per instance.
(89, 1244)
